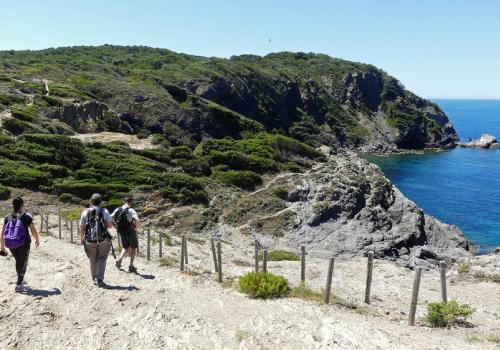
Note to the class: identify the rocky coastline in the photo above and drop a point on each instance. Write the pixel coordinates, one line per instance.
(485, 141)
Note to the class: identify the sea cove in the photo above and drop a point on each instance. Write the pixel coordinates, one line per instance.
(459, 186)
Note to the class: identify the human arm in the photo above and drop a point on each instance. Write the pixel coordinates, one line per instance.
(35, 234)
(2, 242)
(135, 219)
(82, 223)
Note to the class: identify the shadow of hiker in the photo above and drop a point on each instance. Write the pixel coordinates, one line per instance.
(127, 288)
(146, 277)
(41, 292)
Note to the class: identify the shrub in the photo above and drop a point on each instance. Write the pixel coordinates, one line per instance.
(463, 268)
(22, 174)
(8, 100)
(54, 170)
(77, 188)
(280, 192)
(56, 149)
(184, 189)
(302, 291)
(247, 180)
(263, 285)
(446, 314)
(281, 255)
(15, 126)
(4, 193)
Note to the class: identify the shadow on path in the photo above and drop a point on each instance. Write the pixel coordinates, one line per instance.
(127, 288)
(41, 292)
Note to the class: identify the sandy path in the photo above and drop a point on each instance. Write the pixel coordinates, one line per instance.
(107, 136)
(165, 309)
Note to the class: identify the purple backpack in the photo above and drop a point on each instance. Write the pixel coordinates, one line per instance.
(14, 233)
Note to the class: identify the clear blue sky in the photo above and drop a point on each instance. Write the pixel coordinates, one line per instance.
(439, 48)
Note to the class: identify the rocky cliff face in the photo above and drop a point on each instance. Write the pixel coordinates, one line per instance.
(367, 109)
(346, 207)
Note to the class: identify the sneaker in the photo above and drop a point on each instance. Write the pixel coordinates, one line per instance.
(19, 288)
(101, 284)
(132, 268)
(118, 264)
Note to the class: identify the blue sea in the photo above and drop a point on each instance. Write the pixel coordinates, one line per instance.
(459, 186)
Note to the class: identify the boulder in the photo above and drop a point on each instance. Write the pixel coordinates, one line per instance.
(485, 141)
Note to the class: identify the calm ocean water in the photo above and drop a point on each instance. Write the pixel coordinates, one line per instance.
(460, 186)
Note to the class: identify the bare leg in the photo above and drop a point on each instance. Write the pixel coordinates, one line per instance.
(133, 252)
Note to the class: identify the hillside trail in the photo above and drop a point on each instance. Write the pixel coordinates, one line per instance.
(162, 308)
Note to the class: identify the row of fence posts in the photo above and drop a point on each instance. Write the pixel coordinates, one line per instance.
(369, 277)
(215, 246)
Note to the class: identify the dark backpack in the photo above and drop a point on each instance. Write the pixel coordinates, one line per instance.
(15, 233)
(96, 229)
(120, 221)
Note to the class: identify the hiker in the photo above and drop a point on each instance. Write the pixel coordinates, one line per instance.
(95, 238)
(126, 222)
(15, 236)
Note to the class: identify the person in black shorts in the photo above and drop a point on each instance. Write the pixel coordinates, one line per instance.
(126, 222)
(21, 253)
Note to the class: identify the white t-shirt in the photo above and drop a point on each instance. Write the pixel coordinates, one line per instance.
(131, 214)
(107, 217)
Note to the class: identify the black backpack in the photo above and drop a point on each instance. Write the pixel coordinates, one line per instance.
(96, 229)
(120, 221)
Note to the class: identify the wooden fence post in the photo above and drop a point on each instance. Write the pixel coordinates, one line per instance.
(302, 264)
(444, 294)
(219, 262)
(264, 261)
(256, 253)
(160, 248)
(185, 247)
(59, 222)
(148, 244)
(329, 281)
(214, 253)
(369, 274)
(41, 221)
(414, 296)
(182, 252)
(71, 231)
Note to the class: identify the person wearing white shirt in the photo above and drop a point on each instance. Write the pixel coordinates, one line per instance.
(126, 222)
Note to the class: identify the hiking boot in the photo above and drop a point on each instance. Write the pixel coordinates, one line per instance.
(132, 268)
(118, 264)
(101, 284)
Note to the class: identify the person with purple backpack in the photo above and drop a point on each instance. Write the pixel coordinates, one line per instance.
(15, 236)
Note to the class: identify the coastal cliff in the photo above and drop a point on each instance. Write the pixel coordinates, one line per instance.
(219, 133)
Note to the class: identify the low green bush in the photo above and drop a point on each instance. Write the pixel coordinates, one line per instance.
(281, 255)
(280, 192)
(184, 189)
(7, 100)
(76, 188)
(22, 174)
(4, 193)
(302, 291)
(446, 314)
(263, 285)
(246, 180)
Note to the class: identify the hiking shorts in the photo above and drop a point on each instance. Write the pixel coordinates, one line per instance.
(129, 239)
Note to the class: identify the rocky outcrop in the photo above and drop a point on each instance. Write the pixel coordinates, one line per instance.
(81, 117)
(347, 207)
(485, 141)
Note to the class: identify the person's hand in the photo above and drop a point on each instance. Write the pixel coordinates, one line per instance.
(37, 242)
(3, 253)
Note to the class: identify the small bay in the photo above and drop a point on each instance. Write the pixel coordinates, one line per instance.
(459, 186)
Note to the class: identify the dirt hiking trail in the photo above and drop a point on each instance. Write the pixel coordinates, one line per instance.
(162, 308)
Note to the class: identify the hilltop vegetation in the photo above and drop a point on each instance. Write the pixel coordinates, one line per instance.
(213, 120)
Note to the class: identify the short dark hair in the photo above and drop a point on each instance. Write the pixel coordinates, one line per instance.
(96, 199)
(128, 199)
(17, 204)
